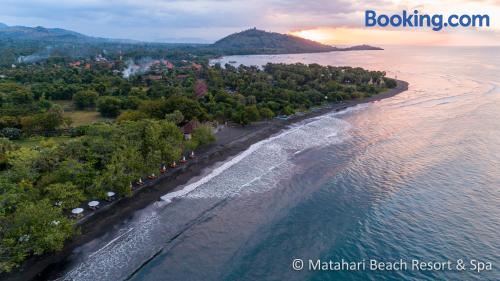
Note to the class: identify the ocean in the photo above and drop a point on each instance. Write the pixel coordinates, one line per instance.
(415, 177)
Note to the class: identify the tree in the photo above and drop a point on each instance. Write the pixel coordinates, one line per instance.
(21, 162)
(131, 115)
(175, 117)
(389, 82)
(85, 99)
(36, 227)
(203, 134)
(189, 108)
(82, 174)
(252, 113)
(66, 193)
(52, 119)
(11, 133)
(266, 113)
(157, 90)
(5, 146)
(152, 108)
(239, 116)
(100, 88)
(109, 106)
(16, 94)
(8, 122)
(43, 122)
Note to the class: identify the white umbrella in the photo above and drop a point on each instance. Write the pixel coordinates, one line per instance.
(93, 203)
(110, 194)
(77, 211)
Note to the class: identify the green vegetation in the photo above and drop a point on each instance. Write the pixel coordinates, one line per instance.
(85, 99)
(19, 44)
(56, 152)
(254, 41)
(40, 183)
(84, 117)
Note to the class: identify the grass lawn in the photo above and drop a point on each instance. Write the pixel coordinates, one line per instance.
(66, 105)
(79, 117)
(84, 117)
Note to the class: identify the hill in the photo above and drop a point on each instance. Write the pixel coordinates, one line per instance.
(21, 44)
(254, 41)
(51, 35)
(40, 33)
(361, 48)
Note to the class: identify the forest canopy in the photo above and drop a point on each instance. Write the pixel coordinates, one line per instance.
(70, 131)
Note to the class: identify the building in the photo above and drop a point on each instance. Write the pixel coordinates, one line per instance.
(154, 77)
(189, 128)
(196, 66)
(168, 64)
(201, 88)
(75, 64)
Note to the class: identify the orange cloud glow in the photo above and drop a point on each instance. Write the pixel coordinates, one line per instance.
(354, 36)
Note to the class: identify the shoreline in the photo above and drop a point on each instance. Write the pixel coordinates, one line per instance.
(230, 142)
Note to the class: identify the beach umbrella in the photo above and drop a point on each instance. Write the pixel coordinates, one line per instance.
(93, 204)
(77, 211)
(110, 194)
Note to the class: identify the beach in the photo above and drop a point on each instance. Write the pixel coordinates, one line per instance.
(231, 141)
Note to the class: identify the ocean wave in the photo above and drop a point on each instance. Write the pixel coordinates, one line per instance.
(265, 163)
(256, 169)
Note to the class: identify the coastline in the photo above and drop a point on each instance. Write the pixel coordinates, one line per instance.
(231, 141)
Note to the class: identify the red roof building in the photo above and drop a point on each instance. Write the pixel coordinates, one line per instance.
(189, 128)
(75, 64)
(200, 88)
(154, 77)
(196, 66)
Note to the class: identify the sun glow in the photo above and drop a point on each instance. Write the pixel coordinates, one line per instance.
(312, 34)
(379, 36)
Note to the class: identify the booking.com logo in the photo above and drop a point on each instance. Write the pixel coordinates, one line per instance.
(437, 22)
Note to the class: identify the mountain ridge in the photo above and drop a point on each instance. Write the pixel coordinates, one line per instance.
(260, 41)
(255, 39)
(31, 44)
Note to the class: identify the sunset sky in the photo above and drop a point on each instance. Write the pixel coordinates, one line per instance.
(336, 22)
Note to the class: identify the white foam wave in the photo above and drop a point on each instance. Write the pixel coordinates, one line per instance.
(264, 163)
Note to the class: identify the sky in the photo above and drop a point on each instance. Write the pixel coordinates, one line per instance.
(335, 22)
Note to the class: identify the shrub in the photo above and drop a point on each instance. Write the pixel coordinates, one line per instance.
(85, 99)
(109, 106)
(11, 133)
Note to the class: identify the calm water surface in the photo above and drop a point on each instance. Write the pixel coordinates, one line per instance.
(416, 176)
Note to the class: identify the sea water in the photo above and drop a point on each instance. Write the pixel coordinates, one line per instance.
(402, 186)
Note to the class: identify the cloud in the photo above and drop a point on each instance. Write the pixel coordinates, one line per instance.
(203, 20)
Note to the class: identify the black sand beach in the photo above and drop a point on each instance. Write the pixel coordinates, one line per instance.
(230, 141)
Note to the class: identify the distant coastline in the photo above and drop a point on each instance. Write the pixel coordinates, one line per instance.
(36, 44)
(230, 142)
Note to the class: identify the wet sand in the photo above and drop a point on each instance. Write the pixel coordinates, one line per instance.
(230, 141)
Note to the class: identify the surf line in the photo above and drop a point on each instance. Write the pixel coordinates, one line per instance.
(217, 171)
(201, 218)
